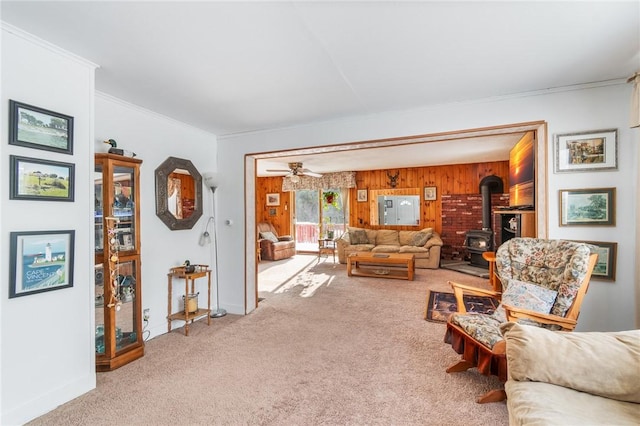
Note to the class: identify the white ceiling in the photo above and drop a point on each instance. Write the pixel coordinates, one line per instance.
(232, 67)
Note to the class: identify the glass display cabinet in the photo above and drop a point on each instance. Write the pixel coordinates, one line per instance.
(118, 304)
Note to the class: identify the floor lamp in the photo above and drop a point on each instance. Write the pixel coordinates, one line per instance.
(218, 312)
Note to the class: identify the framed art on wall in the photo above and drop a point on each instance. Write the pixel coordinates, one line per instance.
(40, 261)
(39, 128)
(362, 195)
(273, 199)
(586, 151)
(430, 193)
(36, 179)
(587, 207)
(605, 268)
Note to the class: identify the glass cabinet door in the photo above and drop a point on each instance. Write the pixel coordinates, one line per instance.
(126, 331)
(123, 207)
(98, 212)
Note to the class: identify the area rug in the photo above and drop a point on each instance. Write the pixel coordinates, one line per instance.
(441, 305)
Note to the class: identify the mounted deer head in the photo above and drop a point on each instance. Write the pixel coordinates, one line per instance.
(393, 180)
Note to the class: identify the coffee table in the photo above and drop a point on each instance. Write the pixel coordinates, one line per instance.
(382, 265)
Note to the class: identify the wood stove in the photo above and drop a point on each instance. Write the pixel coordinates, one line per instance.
(477, 242)
(480, 240)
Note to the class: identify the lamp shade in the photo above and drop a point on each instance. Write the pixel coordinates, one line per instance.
(211, 180)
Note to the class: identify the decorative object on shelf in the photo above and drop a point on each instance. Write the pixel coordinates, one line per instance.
(362, 195)
(393, 180)
(118, 151)
(40, 261)
(593, 207)
(35, 179)
(191, 302)
(586, 151)
(430, 193)
(39, 128)
(112, 256)
(188, 267)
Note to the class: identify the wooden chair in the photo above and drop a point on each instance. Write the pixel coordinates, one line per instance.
(554, 269)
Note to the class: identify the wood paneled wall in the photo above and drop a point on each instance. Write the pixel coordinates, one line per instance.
(281, 218)
(450, 179)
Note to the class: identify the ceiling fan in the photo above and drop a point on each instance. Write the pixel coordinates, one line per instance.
(296, 169)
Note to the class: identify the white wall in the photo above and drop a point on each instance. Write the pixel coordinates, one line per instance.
(154, 138)
(47, 338)
(608, 306)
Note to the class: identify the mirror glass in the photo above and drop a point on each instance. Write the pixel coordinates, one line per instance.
(178, 193)
(391, 207)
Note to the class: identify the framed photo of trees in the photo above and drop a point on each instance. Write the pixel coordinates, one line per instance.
(38, 128)
(587, 207)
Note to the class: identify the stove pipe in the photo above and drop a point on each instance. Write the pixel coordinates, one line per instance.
(489, 185)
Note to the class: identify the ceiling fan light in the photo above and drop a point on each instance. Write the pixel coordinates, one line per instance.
(294, 178)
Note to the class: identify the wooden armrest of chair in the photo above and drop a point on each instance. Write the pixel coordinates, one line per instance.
(460, 289)
(514, 313)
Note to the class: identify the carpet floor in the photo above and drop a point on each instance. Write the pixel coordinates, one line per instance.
(321, 349)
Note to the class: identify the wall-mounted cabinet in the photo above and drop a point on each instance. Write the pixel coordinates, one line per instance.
(118, 289)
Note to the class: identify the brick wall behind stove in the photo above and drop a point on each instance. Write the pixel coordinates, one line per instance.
(462, 213)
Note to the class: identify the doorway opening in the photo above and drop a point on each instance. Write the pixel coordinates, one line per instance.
(316, 215)
(426, 144)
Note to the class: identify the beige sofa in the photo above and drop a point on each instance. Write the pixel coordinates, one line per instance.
(425, 244)
(579, 378)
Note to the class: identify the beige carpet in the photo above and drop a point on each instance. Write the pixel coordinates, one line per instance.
(321, 349)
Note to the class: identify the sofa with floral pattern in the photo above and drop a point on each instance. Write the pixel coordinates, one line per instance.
(425, 244)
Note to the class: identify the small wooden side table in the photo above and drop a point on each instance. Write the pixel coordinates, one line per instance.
(327, 246)
(186, 316)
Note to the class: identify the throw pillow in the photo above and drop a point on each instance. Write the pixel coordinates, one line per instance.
(358, 236)
(525, 295)
(600, 363)
(420, 239)
(269, 236)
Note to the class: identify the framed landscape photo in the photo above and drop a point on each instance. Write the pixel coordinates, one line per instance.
(586, 151)
(605, 268)
(39, 128)
(35, 179)
(273, 199)
(587, 207)
(430, 193)
(40, 261)
(362, 195)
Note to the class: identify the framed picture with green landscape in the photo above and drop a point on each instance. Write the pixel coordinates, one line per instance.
(35, 179)
(605, 268)
(39, 128)
(587, 207)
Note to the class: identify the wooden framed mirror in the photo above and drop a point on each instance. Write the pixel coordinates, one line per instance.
(178, 193)
(395, 207)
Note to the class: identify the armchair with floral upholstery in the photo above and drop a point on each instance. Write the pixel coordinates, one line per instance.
(543, 283)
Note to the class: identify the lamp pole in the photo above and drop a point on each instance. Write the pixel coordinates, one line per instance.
(218, 312)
